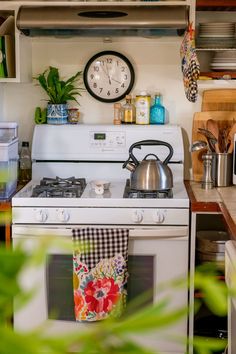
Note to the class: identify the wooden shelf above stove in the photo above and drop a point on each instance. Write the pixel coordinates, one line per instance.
(219, 74)
(216, 5)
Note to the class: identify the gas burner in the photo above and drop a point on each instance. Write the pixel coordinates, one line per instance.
(133, 193)
(59, 188)
(62, 181)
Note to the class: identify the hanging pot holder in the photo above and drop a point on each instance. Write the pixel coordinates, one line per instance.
(190, 64)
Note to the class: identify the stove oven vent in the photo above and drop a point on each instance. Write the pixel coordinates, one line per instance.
(113, 19)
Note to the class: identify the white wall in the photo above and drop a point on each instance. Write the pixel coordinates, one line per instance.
(157, 67)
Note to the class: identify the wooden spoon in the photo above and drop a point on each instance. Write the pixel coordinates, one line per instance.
(231, 138)
(212, 126)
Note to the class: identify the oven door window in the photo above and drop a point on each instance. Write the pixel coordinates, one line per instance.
(59, 283)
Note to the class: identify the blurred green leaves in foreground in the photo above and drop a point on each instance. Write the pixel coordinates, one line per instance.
(106, 337)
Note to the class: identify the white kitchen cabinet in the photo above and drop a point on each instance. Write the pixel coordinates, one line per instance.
(20, 56)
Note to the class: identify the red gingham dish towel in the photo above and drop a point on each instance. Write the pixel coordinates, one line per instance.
(99, 272)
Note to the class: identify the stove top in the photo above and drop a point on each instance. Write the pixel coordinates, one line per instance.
(37, 194)
(59, 188)
(74, 187)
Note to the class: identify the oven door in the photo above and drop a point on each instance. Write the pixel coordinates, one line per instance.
(156, 255)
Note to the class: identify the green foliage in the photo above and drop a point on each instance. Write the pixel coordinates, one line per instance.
(10, 266)
(214, 291)
(214, 294)
(112, 336)
(203, 345)
(58, 90)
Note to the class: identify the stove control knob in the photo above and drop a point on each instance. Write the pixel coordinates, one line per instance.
(137, 216)
(158, 216)
(63, 215)
(41, 215)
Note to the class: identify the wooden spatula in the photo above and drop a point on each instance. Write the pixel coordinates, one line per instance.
(212, 126)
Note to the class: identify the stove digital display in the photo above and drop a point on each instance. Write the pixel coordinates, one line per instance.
(99, 136)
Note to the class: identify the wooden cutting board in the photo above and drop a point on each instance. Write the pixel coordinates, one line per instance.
(219, 100)
(223, 118)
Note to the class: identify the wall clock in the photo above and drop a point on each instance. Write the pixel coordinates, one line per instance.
(108, 76)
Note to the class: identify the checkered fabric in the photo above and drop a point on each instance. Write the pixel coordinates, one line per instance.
(191, 88)
(95, 244)
(190, 64)
(194, 69)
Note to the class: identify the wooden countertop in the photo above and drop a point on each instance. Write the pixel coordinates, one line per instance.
(5, 213)
(221, 200)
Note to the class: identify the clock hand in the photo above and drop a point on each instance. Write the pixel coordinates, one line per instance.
(105, 72)
(108, 74)
(116, 80)
(110, 77)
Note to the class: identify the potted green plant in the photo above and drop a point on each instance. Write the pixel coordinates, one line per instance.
(59, 92)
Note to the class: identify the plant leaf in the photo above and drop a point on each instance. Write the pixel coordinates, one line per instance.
(153, 316)
(53, 76)
(59, 91)
(74, 78)
(206, 345)
(214, 292)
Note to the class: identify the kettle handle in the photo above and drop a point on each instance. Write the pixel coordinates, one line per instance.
(150, 143)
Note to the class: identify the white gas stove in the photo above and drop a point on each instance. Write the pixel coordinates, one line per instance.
(93, 152)
(158, 223)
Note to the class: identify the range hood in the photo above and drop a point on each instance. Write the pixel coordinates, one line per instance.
(93, 19)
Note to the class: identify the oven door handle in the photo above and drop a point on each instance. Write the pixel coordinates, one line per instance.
(157, 232)
(160, 232)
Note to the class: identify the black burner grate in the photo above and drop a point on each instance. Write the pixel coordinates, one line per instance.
(133, 193)
(59, 188)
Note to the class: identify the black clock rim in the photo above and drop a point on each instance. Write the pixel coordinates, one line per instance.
(132, 76)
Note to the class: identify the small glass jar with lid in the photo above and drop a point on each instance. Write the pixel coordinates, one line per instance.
(128, 111)
(143, 102)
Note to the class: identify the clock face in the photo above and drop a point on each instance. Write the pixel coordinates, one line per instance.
(108, 76)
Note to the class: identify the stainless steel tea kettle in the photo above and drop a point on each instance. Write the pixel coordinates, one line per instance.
(149, 174)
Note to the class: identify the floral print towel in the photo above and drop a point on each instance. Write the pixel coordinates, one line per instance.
(99, 272)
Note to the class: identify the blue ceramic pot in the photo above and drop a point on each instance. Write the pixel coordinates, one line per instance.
(57, 113)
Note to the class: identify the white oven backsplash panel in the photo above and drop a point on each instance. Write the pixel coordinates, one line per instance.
(88, 142)
(91, 171)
